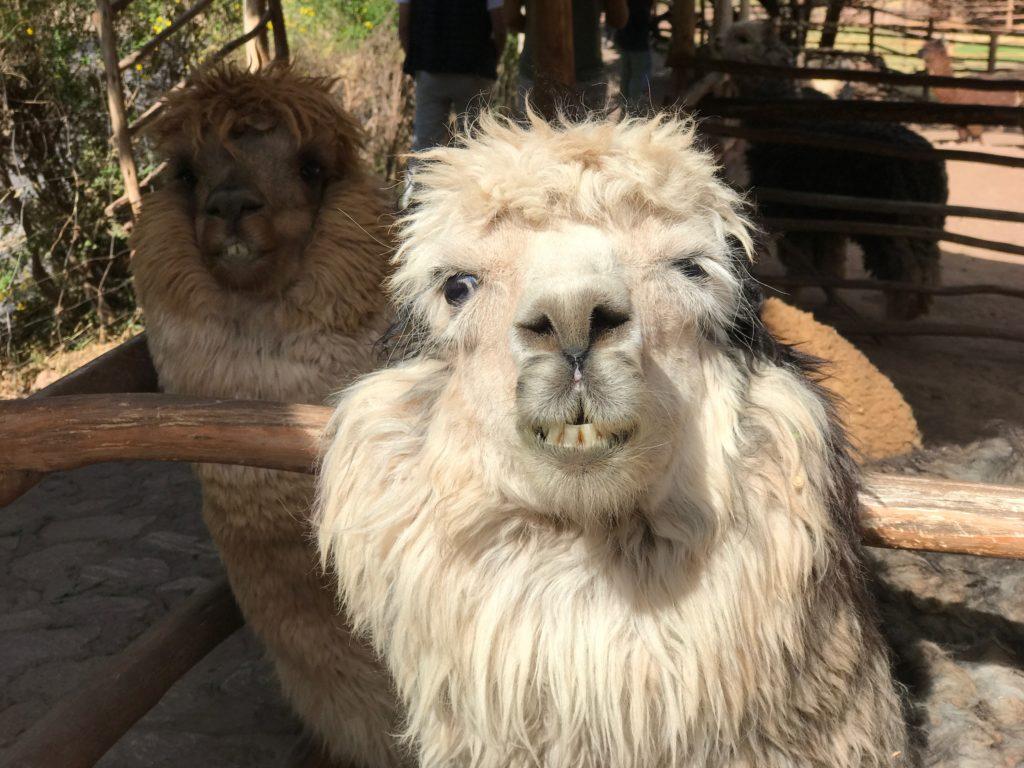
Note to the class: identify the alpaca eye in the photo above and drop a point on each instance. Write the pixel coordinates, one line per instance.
(184, 174)
(690, 268)
(459, 287)
(311, 170)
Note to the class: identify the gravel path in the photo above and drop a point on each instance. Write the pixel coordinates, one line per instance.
(88, 560)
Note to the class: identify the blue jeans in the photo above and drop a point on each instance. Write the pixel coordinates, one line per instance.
(437, 96)
(635, 84)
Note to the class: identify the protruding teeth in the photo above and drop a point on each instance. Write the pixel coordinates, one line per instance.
(578, 436)
(238, 250)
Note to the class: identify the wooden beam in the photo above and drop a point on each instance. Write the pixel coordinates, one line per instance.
(125, 368)
(917, 328)
(889, 285)
(854, 76)
(88, 429)
(85, 724)
(549, 25)
(841, 226)
(148, 179)
(795, 110)
(943, 516)
(104, 19)
(876, 205)
(682, 48)
(157, 40)
(52, 434)
(824, 139)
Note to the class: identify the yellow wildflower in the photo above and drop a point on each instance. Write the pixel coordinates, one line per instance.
(138, 67)
(29, 31)
(368, 24)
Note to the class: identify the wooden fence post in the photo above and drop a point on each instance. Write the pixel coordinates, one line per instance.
(257, 50)
(115, 103)
(722, 19)
(993, 47)
(549, 25)
(828, 33)
(871, 29)
(682, 48)
(281, 52)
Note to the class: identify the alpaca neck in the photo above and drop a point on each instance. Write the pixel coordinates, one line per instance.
(939, 64)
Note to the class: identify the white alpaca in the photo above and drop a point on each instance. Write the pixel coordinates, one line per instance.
(599, 518)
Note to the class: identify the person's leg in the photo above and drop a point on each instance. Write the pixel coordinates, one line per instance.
(433, 105)
(593, 94)
(626, 77)
(470, 94)
(639, 90)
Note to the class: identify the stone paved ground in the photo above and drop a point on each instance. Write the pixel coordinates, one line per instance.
(88, 560)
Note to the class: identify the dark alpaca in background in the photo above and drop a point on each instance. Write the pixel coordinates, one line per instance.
(841, 172)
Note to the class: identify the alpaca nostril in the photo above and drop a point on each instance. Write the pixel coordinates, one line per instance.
(604, 319)
(232, 204)
(541, 325)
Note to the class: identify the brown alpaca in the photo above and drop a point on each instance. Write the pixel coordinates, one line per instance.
(258, 268)
(937, 62)
(877, 419)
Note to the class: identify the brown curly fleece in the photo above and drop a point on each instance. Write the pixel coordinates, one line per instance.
(878, 420)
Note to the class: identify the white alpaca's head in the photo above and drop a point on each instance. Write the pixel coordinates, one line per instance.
(574, 279)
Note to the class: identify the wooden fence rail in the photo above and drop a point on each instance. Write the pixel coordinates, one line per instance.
(888, 285)
(126, 368)
(844, 227)
(852, 75)
(876, 205)
(715, 127)
(61, 433)
(793, 110)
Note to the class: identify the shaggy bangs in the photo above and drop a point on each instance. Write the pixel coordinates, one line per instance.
(538, 173)
(226, 96)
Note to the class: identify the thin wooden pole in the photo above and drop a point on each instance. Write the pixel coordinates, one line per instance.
(60, 433)
(993, 48)
(683, 48)
(184, 18)
(281, 51)
(257, 51)
(85, 724)
(115, 104)
(871, 30)
(744, 10)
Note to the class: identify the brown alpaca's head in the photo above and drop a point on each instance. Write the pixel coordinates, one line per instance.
(253, 158)
(934, 54)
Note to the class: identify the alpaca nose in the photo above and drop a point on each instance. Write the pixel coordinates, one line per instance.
(232, 204)
(576, 319)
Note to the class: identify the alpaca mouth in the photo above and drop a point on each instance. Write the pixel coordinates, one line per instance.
(579, 437)
(239, 253)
